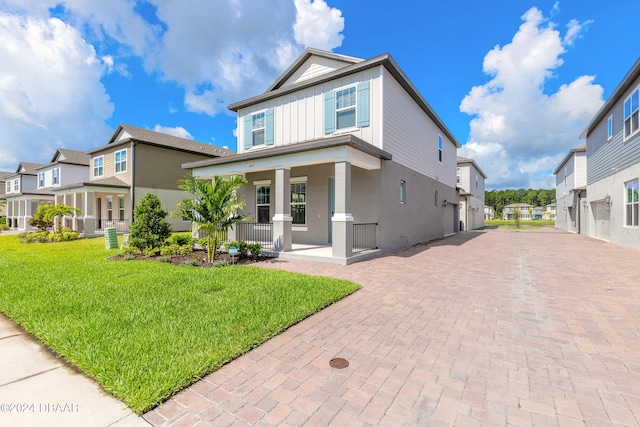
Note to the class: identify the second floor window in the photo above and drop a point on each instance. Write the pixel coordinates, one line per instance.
(346, 108)
(8, 187)
(257, 129)
(439, 148)
(55, 176)
(610, 127)
(98, 166)
(458, 176)
(631, 120)
(40, 179)
(121, 161)
(16, 185)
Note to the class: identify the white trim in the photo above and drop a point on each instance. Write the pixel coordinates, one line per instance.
(299, 228)
(298, 179)
(610, 122)
(355, 109)
(282, 217)
(93, 166)
(342, 217)
(115, 163)
(264, 129)
(262, 182)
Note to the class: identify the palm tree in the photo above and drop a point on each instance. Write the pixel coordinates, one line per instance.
(214, 206)
(60, 211)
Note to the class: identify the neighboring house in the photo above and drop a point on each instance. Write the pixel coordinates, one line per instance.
(3, 186)
(470, 180)
(550, 212)
(509, 211)
(134, 162)
(67, 167)
(23, 196)
(613, 164)
(538, 212)
(489, 214)
(571, 191)
(343, 153)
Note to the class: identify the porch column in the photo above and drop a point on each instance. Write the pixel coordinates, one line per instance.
(282, 219)
(89, 219)
(342, 220)
(232, 232)
(74, 221)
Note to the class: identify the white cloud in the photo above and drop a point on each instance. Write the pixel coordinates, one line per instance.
(318, 25)
(50, 90)
(178, 131)
(518, 130)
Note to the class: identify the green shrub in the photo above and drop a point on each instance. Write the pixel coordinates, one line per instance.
(181, 239)
(150, 252)
(4, 227)
(150, 228)
(243, 248)
(64, 235)
(169, 250)
(190, 262)
(3, 220)
(164, 258)
(129, 251)
(34, 237)
(255, 249)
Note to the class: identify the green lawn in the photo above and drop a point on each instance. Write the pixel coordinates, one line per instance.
(523, 224)
(143, 329)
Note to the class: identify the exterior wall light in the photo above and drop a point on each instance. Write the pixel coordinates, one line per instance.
(607, 200)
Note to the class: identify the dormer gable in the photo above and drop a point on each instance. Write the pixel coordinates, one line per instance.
(310, 64)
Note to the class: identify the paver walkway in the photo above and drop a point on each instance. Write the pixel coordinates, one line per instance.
(491, 327)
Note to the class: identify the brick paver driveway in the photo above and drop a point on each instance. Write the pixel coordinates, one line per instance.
(492, 327)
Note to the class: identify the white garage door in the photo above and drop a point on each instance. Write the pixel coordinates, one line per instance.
(601, 213)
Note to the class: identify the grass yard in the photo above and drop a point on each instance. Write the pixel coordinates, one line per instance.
(145, 330)
(500, 223)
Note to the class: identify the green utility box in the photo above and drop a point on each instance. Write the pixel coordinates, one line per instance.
(110, 238)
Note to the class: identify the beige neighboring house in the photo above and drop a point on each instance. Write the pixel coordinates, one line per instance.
(470, 181)
(344, 158)
(488, 213)
(134, 162)
(525, 211)
(550, 212)
(3, 187)
(23, 196)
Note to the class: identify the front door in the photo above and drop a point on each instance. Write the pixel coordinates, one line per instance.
(332, 205)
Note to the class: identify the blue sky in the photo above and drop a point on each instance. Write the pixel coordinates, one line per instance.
(515, 81)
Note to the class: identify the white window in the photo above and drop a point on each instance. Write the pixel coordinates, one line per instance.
(40, 179)
(476, 180)
(631, 203)
(403, 192)
(8, 187)
(346, 108)
(98, 166)
(55, 176)
(263, 202)
(439, 148)
(121, 161)
(121, 208)
(631, 114)
(110, 208)
(609, 128)
(565, 174)
(258, 129)
(16, 185)
(458, 176)
(299, 203)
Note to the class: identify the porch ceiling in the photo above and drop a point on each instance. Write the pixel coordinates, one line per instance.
(343, 148)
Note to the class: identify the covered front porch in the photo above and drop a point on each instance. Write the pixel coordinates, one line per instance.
(313, 200)
(98, 207)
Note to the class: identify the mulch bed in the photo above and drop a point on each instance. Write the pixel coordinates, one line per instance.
(198, 258)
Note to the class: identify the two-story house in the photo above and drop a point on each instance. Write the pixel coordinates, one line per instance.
(523, 210)
(470, 180)
(343, 153)
(134, 162)
(571, 191)
(613, 164)
(23, 196)
(3, 187)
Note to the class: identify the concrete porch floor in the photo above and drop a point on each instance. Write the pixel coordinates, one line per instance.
(323, 253)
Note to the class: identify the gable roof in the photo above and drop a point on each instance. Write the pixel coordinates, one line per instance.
(4, 174)
(578, 149)
(624, 85)
(308, 52)
(27, 168)
(461, 160)
(162, 140)
(69, 157)
(384, 60)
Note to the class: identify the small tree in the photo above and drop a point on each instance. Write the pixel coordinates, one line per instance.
(214, 207)
(150, 228)
(58, 211)
(516, 217)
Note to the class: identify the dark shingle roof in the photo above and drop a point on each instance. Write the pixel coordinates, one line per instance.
(163, 140)
(4, 174)
(29, 168)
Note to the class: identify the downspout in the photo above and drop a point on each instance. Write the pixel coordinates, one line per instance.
(133, 177)
(578, 208)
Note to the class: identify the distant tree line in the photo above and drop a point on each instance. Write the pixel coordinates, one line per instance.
(498, 199)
